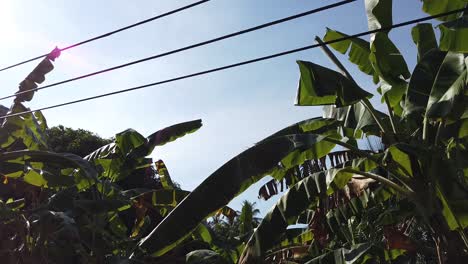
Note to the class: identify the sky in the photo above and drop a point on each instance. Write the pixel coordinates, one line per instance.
(239, 107)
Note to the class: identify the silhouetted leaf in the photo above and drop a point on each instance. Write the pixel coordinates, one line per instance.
(424, 38)
(321, 86)
(172, 133)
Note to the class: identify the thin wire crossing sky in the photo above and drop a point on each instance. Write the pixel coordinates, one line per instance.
(238, 107)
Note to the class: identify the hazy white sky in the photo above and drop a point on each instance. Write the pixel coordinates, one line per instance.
(238, 106)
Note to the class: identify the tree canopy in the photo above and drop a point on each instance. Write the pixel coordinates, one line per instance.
(77, 141)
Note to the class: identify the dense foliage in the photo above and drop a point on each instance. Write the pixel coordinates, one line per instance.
(59, 207)
(403, 201)
(76, 141)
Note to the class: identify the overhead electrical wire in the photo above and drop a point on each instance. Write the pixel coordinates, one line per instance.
(111, 33)
(244, 62)
(203, 43)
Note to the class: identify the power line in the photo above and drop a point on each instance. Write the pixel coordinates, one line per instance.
(244, 62)
(231, 35)
(112, 32)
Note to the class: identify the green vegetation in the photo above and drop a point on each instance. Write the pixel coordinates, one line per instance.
(79, 142)
(400, 199)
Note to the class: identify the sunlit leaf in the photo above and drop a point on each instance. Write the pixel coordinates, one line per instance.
(454, 35)
(441, 6)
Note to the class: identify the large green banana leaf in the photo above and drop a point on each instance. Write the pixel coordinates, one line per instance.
(454, 35)
(435, 7)
(321, 86)
(385, 57)
(26, 131)
(316, 125)
(358, 53)
(224, 184)
(447, 93)
(424, 37)
(172, 133)
(421, 82)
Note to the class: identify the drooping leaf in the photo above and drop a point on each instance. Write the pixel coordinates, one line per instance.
(358, 53)
(223, 185)
(454, 35)
(424, 38)
(321, 86)
(129, 140)
(37, 76)
(387, 60)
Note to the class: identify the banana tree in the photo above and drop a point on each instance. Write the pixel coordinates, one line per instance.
(422, 171)
(59, 207)
(406, 201)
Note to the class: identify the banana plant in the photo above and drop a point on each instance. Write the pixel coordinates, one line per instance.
(416, 184)
(59, 207)
(370, 206)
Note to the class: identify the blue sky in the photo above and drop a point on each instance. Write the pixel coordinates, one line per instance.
(238, 106)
